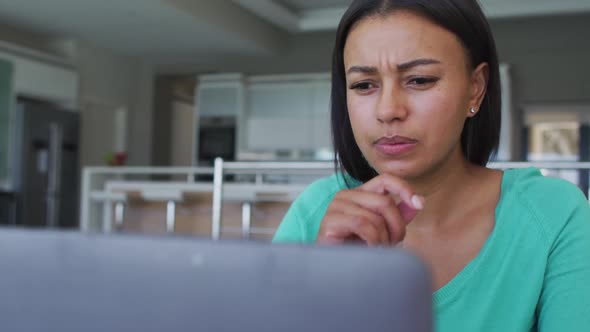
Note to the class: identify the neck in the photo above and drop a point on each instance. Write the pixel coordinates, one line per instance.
(445, 190)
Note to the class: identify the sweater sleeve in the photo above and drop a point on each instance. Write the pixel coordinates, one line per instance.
(290, 230)
(302, 221)
(565, 300)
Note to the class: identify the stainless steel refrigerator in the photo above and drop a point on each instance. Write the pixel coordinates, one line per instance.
(47, 170)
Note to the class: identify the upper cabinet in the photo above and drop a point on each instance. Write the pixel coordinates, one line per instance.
(278, 115)
(220, 95)
(272, 113)
(53, 82)
(287, 113)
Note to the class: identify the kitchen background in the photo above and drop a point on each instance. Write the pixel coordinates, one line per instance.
(180, 82)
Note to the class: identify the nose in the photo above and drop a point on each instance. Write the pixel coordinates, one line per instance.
(392, 105)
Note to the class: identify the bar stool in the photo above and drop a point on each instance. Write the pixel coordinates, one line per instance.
(171, 197)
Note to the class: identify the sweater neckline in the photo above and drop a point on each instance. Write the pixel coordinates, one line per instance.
(451, 289)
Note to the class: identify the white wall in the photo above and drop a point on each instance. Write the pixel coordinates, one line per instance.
(140, 129)
(303, 53)
(548, 58)
(112, 82)
(97, 134)
(182, 132)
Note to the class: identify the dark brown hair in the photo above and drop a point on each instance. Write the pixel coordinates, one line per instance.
(465, 19)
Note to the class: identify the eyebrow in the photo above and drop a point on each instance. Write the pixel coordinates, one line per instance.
(401, 67)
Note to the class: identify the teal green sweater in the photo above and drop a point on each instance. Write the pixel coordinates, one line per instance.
(532, 274)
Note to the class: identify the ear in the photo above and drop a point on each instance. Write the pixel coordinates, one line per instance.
(478, 87)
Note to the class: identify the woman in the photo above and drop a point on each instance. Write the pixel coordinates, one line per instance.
(415, 119)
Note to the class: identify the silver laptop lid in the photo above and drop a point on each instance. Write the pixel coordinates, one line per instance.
(77, 282)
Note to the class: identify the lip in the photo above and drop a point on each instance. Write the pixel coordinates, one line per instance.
(395, 145)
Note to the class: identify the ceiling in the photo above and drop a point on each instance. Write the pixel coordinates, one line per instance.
(303, 5)
(313, 15)
(162, 30)
(177, 31)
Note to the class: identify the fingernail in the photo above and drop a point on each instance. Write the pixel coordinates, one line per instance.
(418, 202)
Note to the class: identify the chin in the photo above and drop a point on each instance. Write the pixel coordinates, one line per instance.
(402, 169)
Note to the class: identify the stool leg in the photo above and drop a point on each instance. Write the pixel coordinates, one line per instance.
(170, 216)
(246, 220)
(119, 215)
(106, 216)
(217, 199)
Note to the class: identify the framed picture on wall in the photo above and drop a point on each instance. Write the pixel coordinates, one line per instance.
(556, 141)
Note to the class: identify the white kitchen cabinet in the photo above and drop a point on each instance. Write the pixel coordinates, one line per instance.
(275, 133)
(279, 100)
(273, 113)
(288, 112)
(278, 116)
(220, 95)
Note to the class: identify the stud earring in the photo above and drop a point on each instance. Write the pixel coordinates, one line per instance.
(472, 110)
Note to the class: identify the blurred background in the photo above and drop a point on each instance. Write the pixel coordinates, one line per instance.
(112, 112)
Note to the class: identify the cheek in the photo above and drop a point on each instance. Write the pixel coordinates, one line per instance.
(441, 112)
(360, 112)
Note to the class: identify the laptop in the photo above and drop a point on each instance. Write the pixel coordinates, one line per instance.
(66, 282)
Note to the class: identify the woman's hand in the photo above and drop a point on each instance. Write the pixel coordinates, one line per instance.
(376, 213)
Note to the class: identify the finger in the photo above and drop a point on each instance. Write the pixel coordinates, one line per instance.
(351, 208)
(339, 239)
(387, 184)
(407, 212)
(348, 226)
(383, 205)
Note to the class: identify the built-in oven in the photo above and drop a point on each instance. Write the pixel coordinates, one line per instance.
(217, 138)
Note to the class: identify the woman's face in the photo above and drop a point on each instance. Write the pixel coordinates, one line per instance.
(409, 91)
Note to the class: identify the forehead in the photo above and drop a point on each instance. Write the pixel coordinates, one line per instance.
(399, 37)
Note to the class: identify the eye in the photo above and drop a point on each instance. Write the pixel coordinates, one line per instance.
(362, 86)
(422, 81)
